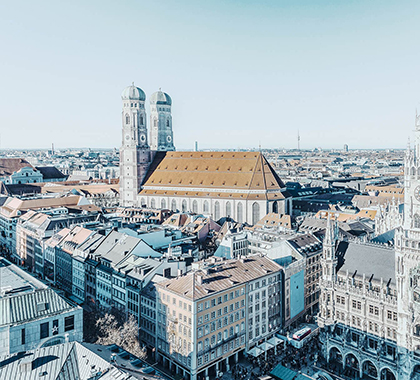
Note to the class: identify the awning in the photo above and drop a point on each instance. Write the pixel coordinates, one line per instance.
(255, 352)
(265, 346)
(275, 341)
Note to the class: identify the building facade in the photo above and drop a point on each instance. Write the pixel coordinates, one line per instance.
(202, 317)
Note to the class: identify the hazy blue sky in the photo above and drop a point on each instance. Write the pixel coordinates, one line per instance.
(239, 72)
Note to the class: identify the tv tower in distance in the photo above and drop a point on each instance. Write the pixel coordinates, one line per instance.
(298, 140)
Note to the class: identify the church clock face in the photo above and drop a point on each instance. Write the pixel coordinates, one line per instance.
(169, 139)
(127, 137)
(142, 138)
(417, 193)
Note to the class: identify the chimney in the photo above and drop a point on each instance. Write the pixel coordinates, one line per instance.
(200, 279)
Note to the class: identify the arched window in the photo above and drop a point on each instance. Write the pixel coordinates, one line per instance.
(162, 204)
(275, 207)
(155, 123)
(195, 207)
(255, 213)
(416, 221)
(206, 207)
(173, 205)
(239, 213)
(217, 210)
(167, 123)
(184, 206)
(153, 203)
(127, 118)
(228, 209)
(142, 202)
(141, 120)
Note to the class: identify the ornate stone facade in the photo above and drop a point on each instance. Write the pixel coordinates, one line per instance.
(370, 296)
(388, 217)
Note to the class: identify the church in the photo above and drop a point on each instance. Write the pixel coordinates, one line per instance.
(240, 185)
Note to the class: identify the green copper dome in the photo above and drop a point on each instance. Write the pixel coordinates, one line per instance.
(133, 93)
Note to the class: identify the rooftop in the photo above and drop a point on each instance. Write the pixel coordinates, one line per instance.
(374, 261)
(245, 175)
(24, 298)
(72, 359)
(220, 277)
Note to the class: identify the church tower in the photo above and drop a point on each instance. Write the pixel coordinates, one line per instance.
(135, 152)
(407, 261)
(329, 272)
(161, 135)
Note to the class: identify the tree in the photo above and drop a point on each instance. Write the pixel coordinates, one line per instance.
(125, 335)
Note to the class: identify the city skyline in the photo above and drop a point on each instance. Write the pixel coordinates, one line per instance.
(240, 74)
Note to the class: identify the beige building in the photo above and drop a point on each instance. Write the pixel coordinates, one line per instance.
(203, 316)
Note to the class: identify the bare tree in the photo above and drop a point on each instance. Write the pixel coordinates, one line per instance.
(126, 335)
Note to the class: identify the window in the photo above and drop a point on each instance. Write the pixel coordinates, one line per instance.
(127, 119)
(416, 221)
(55, 327)
(23, 336)
(69, 323)
(44, 330)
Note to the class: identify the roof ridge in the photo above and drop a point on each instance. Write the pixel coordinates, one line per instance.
(253, 174)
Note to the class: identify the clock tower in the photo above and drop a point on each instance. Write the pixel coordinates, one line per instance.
(135, 152)
(407, 261)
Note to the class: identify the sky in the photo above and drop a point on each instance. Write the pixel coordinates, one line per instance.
(240, 73)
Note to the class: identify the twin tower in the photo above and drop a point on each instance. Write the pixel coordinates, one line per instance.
(135, 154)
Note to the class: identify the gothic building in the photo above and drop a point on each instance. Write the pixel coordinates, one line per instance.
(370, 295)
(388, 217)
(242, 185)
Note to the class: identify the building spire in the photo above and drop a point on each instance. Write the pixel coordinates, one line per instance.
(329, 232)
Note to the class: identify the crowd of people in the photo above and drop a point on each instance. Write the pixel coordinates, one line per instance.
(290, 357)
(299, 359)
(240, 372)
